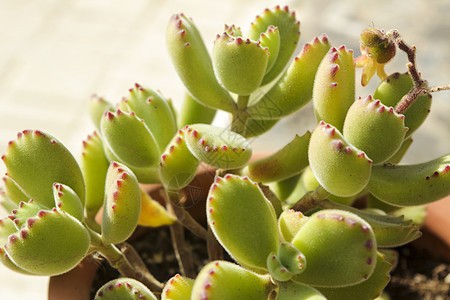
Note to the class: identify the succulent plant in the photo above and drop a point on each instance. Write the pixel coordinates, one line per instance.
(285, 220)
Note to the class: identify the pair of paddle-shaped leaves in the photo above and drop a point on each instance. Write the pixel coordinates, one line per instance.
(45, 233)
(141, 133)
(242, 65)
(239, 65)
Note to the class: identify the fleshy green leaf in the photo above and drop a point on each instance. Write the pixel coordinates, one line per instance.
(295, 88)
(288, 28)
(36, 160)
(178, 166)
(390, 231)
(122, 204)
(97, 108)
(236, 211)
(391, 90)
(218, 147)
(143, 174)
(291, 290)
(334, 87)
(193, 112)
(193, 64)
(13, 192)
(178, 288)
(271, 40)
(239, 64)
(290, 222)
(67, 200)
(124, 289)
(366, 290)
(287, 263)
(410, 185)
(154, 109)
(339, 247)
(341, 168)
(310, 183)
(129, 139)
(24, 211)
(288, 161)
(222, 280)
(49, 244)
(374, 128)
(94, 165)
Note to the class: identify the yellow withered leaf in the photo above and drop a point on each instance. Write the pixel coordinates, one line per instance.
(152, 213)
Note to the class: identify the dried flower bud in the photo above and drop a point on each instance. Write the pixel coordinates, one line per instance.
(378, 45)
(371, 37)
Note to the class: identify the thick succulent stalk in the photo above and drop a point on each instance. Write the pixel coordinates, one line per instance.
(182, 253)
(119, 261)
(188, 221)
(215, 250)
(240, 116)
(193, 112)
(311, 200)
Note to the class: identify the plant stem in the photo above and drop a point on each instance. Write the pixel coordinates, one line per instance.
(182, 253)
(119, 261)
(311, 199)
(215, 251)
(420, 86)
(240, 117)
(184, 217)
(90, 221)
(133, 257)
(272, 289)
(439, 88)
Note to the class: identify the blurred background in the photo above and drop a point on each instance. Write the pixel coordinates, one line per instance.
(55, 54)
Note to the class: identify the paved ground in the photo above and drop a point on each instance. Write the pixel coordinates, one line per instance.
(55, 54)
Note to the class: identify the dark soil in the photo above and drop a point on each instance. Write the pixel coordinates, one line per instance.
(157, 252)
(422, 272)
(419, 275)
